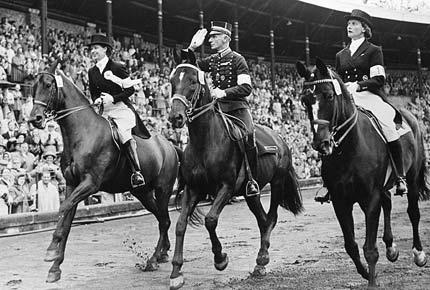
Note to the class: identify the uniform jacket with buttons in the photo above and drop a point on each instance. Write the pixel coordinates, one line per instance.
(224, 69)
(356, 68)
(98, 84)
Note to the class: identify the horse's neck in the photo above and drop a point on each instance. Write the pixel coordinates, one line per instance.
(206, 131)
(72, 126)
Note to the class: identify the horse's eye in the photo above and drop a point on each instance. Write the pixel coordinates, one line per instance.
(48, 85)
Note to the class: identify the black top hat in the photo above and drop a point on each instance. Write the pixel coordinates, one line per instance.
(220, 27)
(100, 39)
(360, 15)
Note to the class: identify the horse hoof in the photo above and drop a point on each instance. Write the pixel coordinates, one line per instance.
(221, 266)
(53, 276)
(420, 258)
(151, 266)
(51, 255)
(259, 271)
(392, 253)
(177, 283)
(263, 260)
(163, 259)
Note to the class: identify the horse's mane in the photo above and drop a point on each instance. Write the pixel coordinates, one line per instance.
(342, 100)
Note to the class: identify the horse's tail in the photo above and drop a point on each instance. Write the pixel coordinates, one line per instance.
(291, 195)
(197, 216)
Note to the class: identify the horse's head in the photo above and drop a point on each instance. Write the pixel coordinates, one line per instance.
(323, 98)
(190, 91)
(46, 96)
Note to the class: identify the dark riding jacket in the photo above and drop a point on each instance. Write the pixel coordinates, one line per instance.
(229, 72)
(99, 84)
(365, 66)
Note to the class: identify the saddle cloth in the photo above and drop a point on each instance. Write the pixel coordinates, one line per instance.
(404, 128)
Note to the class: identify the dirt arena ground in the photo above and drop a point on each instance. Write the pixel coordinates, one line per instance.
(306, 253)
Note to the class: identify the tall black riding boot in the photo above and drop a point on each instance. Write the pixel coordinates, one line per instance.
(136, 177)
(396, 151)
(252, 187)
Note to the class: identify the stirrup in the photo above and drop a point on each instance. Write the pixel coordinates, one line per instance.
(137, 179)
(401, 186)
(254, 192)
(322, 199)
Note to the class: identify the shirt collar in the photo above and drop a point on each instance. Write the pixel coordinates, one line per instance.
(224, 52)
(355, 44)
(101, 64)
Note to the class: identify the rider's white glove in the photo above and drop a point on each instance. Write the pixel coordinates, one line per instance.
(352, 87)
(107, 98)
(218, 93)
(198, 39)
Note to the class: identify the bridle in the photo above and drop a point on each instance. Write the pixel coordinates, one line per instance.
(54, 101)
(335, 129)
(192, 112)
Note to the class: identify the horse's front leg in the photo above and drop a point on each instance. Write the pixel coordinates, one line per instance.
(55, 251)
(211, 222)
(392, 253)
(189, 201)
(369, 248)
(344, 216)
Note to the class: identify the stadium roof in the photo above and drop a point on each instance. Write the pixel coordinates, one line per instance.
(292, 20)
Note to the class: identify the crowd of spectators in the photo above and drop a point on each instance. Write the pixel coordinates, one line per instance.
(30, 178)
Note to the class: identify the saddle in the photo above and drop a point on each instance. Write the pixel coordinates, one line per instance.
(402, 129)
(237, 131)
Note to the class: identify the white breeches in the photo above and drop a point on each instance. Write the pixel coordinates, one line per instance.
(382, 110)
(123, 117)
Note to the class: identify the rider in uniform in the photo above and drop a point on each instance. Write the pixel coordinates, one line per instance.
(361, 67)
(232, 82)
(107, 81)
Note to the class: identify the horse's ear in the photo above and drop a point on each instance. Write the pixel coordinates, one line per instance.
(53, 66)
(321, 66)
(176, 57)
(301, 69)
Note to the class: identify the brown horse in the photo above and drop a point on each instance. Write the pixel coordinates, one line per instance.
(354, 166)
(91, 161)
(213, 164)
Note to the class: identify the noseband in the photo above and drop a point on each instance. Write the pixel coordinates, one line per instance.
(333, 123)
(192, 112)
(54, 100)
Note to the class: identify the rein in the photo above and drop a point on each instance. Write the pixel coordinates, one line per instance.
(335, 129)
(50, 112)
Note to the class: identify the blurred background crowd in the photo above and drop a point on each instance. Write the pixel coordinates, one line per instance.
(30, 178)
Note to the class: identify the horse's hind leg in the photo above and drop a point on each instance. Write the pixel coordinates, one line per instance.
(211, 222)
(392, 253)
(420, 257)
(266, 223)
(159, 209)
(344, 216)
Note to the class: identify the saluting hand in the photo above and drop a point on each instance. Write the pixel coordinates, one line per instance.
(198, 39)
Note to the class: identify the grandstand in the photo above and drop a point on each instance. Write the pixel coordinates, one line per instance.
(296, 24)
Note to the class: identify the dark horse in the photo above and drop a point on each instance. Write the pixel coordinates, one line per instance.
(354, 165)
(213, 164)
(91, 161)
